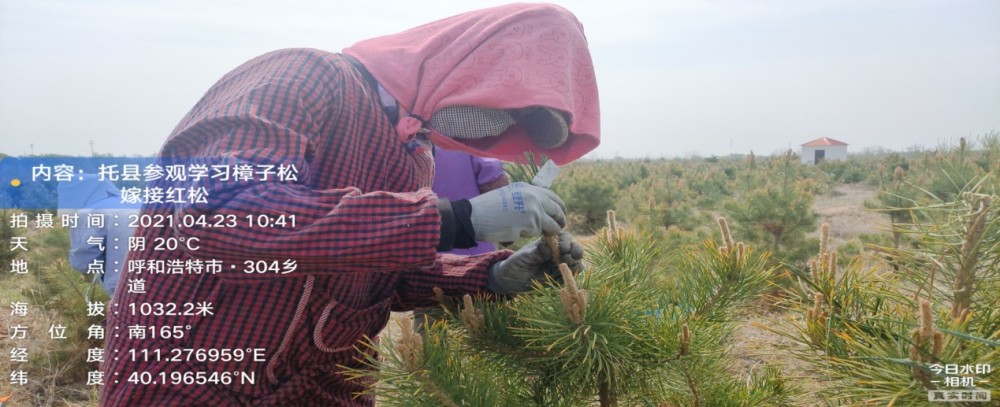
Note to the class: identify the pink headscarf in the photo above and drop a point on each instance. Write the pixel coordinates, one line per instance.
(506, 57)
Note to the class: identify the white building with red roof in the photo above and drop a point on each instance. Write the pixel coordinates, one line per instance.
(822, 149)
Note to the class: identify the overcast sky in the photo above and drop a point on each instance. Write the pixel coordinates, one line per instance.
(676, 78)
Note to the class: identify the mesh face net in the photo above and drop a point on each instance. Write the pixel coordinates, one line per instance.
(471, 122)
(546, 127)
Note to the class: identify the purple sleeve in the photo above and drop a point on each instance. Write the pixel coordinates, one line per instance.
(487, 169)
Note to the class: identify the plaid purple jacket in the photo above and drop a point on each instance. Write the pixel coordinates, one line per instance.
(367, 226)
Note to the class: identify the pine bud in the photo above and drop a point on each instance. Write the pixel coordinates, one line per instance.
(567, 300)
(918, 373)
(410, 345)
(977, 221)
(914, 352)
(553, 242)
(473, 318)
(727, 238)
(818, 300)
(581, 299)
(567, 276)
(926, 319)
(814, 270)
(405, 323)
(816, 313)
(824, 238)
(685, 339)
(574, 300)
(613, 231)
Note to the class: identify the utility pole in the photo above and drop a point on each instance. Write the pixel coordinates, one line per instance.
(32, 146)
(91, 147)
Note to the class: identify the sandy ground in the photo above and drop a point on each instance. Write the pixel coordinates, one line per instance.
(844, 210)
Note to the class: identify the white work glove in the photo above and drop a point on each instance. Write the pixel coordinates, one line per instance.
(532, 262)
(516, 210)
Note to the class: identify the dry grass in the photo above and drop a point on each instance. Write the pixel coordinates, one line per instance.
(755, 347)
(53, 365)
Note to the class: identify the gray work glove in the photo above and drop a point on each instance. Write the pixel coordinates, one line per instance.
(516, 210)
(531, 262)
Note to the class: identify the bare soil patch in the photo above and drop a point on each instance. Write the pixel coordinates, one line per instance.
(844, 209)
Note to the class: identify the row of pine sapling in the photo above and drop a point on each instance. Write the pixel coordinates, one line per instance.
(884, 329)
(618, 333)
(635, 330)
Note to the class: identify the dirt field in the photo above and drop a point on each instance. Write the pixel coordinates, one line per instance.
(844, 210)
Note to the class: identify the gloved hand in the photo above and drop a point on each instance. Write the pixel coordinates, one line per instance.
(533, 261)
(516, 210)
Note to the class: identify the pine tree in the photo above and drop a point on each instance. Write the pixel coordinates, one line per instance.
(896, 198)
(776, 207)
